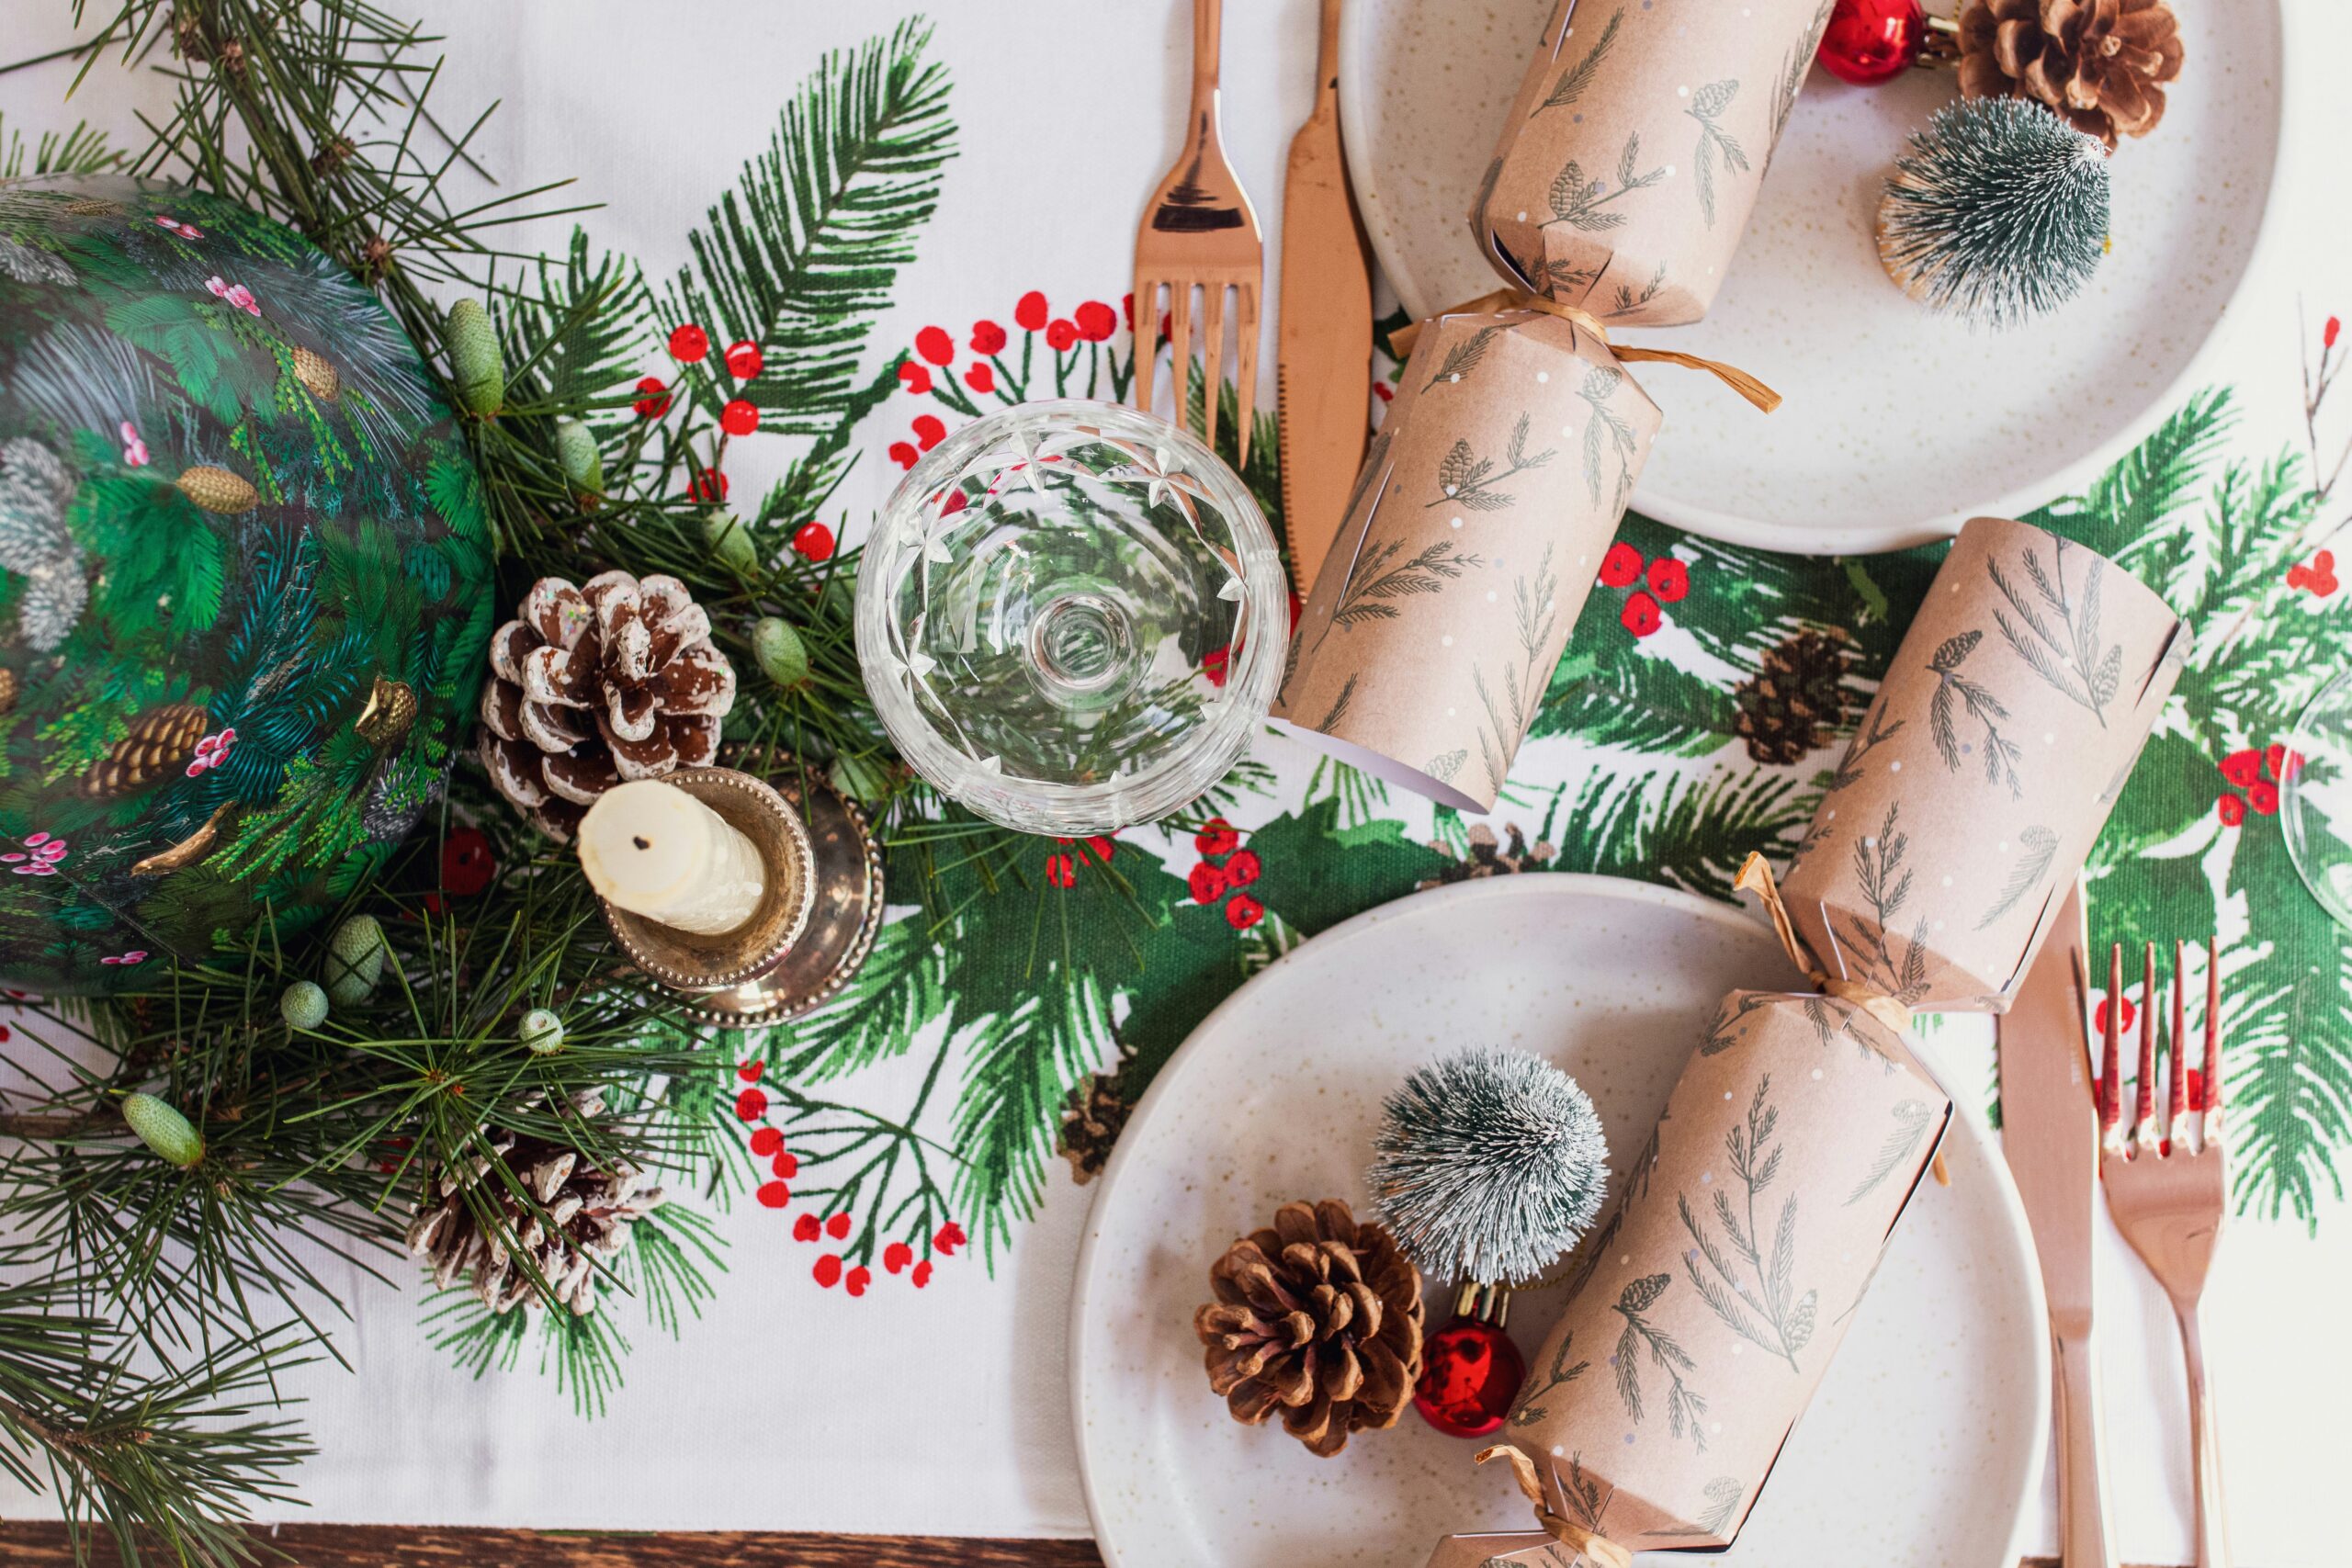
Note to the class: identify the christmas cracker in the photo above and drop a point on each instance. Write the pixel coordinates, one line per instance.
(1707, 1306)
(1473, 535)
(1633, 155)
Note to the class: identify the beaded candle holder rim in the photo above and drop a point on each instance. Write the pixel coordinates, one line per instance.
(690, 962)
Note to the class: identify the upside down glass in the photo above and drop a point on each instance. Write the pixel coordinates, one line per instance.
(1071, 617)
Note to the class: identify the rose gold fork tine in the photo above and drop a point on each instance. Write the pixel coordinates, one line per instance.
(2211, 1127)
(1246, 368)
(2110, 1072)
(2144, 1121)
(2176, 1049)
(1180, 347)
(1146, 337)
(1213, 373)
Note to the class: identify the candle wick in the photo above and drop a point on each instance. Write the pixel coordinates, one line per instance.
(640, 840)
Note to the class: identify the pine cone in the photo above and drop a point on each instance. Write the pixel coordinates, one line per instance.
(218, 490)
(318, 373)
(2098, 63)
(391, 710)
(1092, 1118)
(1488, 856)
(585, 1222)
(615, 680)
(1320, 1316)
(160, 741)
(1796, 700)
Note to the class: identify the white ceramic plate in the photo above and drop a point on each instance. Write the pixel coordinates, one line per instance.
(1899, 425)
(1924, 1442)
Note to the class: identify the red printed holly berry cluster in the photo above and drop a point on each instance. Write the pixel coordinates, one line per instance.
(1668, 581)
(1062, 865)
(1226, 868)
(2260, 773)
(847, 1266)
(999, 369)
(738, 415)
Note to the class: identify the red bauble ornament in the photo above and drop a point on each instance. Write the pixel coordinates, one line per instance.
(1470, 1378)
(467, 862)
(688, 343)
(1868, 42)
(814, 541)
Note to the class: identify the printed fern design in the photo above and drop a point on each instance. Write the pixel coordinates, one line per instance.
(1707, 107)
(1600, 383)
(1724, 1033)
(1561, 1374)
(1768, 1313)
(1340, 704)
(1684, 1406)
(1912, 1119)
(1583, 203)
(1952, 687)
(1578, 78)
(1885, 883)
(2066, 654)
(1876, 733)
(1583, 1494)
(1564, 275)
(1469, 481)
(1723, 1495)
(1629, 301)
(1536, 609)
(1379, 578)
(1794, 67)
(2040, 845)
(1464, 357)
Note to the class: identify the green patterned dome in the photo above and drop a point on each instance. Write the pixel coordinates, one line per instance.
(248, 580)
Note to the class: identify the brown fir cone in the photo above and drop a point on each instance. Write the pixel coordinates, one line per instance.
(2098, 63)
(614, 680)
(1092, 1118)
(580, 1223)
(161, 742)
(1320, 1317)
(1797, 699)
(1488, 856)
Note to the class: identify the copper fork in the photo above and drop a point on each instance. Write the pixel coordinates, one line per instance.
(1199, 231)
(2168, 1186)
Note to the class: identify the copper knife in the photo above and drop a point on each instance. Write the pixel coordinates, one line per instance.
(2050, 1132)
(1323, 339)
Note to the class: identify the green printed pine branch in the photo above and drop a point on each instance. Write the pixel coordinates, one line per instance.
(1757, 1301)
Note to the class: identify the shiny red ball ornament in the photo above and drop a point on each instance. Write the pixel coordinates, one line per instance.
(814, 541)
(689, 344)
(1470, 1378)
(1869, 41)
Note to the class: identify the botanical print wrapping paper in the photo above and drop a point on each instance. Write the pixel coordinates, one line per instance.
(1634, 153)
(1477, 526)
(1998, 742)
(1707, 1306)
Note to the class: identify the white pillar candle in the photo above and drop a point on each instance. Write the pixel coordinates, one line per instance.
(650, 848)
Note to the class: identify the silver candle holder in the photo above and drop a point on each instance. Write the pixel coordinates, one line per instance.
(813, 926)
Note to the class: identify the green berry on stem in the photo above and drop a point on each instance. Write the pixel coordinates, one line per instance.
(779, 652)
(304, 1005)
(731, 543)
(162, 1128)
(475, 363)
(542, 1032)
(576, 454)
(354, 960)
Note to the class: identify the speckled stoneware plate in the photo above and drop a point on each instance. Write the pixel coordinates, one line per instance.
(1899, 425)
(1922, 1446)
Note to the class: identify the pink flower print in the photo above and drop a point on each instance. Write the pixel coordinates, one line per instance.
(184, 230)
(211, 751)
(236, 294)
(134, 451)
(136, 956)
(46, 852)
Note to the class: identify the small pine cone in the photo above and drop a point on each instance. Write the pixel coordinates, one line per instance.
(578, 1221)
(218, 490)
(8, 691)
(391, 710)
(589, 686)
(1797, 699)
(160, 741)
(317, 372)
(1092, 1119)
(1319, 1316)
(2098, 63)
(93, 206)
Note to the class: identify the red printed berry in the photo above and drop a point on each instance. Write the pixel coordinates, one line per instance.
(1095, 322)
(859, 1277)
(987, 338)
(1206, 884)
(739, 417)
(1620, 566)
(837, 1225)
(710, 486)
(1060, 870)
(979, 377)
(744, 360)
(828, 1271)
(1242, 911)
(773, 1194)
(2125, 1014)
(2262, 795)
(929, 431)
(813, 541)
(786, 1165)
(1061, 334)
(922, 1276)
(2327, 337)
(766, 1141)
(752, 1104)
(1103, 848)
(934, 344)
(1216, 663)
(467, 863)
(805, 1228)
(1640, 615)
(1241, 868)
(689, 344)
(2233, 809)
(1030, 312)
(1670, 579)
(656, 400)
(914, 377)
(951, 1236)
(750, 1071)
(2242, 767)
(1216, 837)
(1127, 308)
(896, 1256)
(2281, 763)
(903, 453)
